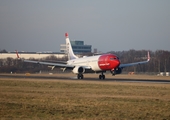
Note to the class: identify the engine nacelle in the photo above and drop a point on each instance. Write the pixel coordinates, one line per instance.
(78, 69)
(84, 56)
(118, 70)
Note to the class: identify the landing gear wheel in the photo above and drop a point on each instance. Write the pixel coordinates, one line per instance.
(102, 77)
(80, 76)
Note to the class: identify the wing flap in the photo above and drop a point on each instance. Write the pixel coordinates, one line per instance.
(56, 64)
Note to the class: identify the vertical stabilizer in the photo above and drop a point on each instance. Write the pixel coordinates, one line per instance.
(69, 48)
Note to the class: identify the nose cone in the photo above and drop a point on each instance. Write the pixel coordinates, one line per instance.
(117, 63)
(108, 62)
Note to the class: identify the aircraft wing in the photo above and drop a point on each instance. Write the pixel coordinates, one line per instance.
(132, 64)
(54, 64)
(50, 63)
(135, 63)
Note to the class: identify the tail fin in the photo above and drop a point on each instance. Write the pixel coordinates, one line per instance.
(69, 48)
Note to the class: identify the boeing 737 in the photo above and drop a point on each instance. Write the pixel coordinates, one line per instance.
(92, 64)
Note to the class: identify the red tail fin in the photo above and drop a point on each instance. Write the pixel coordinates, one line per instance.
(66, 35)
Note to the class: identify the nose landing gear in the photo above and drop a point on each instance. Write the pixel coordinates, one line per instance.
(113, 72)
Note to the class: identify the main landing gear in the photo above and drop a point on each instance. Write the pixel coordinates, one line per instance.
(102, 76)
(80, 76)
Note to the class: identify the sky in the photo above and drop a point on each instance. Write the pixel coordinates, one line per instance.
(108, 25)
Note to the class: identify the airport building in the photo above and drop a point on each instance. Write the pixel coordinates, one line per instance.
(28, 55)
(78, 47)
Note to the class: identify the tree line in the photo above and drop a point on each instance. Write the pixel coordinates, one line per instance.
(159, 62)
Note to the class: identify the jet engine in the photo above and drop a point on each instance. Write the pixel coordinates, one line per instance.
(118, 70)
(78, 69)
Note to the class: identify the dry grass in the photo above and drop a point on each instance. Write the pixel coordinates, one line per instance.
(108, 75)
(56, 99)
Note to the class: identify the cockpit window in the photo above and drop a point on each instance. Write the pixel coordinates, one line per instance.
(114, 58)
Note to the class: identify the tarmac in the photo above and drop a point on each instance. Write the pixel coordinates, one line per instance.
(92, 77)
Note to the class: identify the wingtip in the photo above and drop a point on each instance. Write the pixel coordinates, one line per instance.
(17, 54)
(148, 56)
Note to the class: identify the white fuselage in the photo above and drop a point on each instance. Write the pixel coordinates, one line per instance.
(91, 62)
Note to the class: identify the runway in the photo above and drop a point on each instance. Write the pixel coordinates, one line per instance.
(67, 77)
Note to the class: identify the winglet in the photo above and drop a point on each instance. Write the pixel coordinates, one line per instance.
(148, 56)
(66, 35)
(17, 54)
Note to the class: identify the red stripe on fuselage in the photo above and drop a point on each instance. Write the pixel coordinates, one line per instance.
(108, 62)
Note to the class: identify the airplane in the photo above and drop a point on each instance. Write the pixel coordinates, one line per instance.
(89, 64)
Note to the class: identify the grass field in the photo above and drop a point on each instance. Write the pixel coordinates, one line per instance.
(56, 99)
